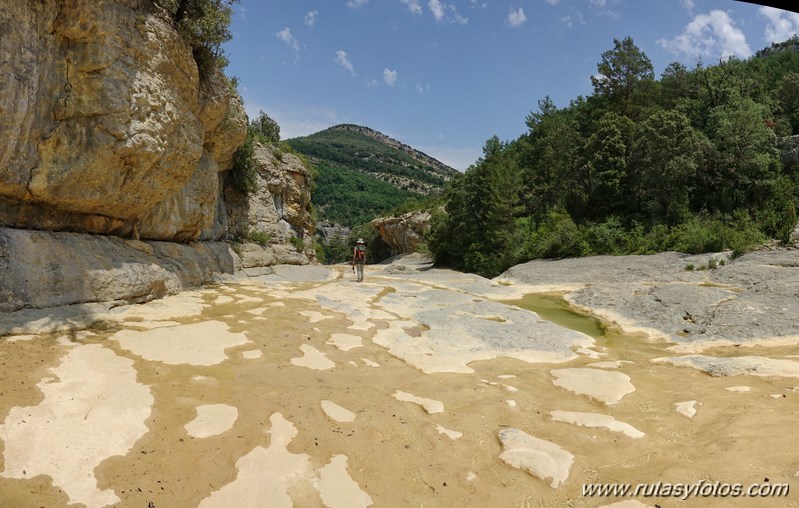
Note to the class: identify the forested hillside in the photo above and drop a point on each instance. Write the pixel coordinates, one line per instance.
(363, 173)
(689, 162)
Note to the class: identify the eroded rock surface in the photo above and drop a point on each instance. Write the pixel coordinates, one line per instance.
(106, 125)
(254, 384)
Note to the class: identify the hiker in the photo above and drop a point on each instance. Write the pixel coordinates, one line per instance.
(359, 258)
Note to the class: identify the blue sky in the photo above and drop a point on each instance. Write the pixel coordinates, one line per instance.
(445, 75)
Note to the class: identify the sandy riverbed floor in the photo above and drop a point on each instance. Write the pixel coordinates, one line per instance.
(427, 389)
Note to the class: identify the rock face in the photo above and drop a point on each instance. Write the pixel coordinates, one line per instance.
(273, 221)
(327, 231)
(734, 303)
(40, 269)
(403, 233)
(105, 123)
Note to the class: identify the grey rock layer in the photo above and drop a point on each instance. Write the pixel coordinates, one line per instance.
(748, 299)
(40, 269)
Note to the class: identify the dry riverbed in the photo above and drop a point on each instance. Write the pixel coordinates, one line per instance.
(414, 388)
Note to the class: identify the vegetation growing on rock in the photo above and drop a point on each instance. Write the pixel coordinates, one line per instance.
(205, 25)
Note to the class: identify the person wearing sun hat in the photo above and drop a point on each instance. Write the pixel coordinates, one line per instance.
(359, 258)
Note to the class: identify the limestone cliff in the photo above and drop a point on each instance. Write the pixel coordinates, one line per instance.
(113, 156)
(273, 225)
(403, 233)
(105, 125)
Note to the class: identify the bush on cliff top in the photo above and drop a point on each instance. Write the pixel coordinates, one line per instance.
(205, 25)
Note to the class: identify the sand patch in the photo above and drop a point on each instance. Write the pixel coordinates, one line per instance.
(252, 354)
(370, 363)
(603, 386)
(264, 473)
(345, 341)
(312, 358)
(201, 343)
(429, 405)
(337, 413)
(596, 420)
(538, 457)
(337, 488)
(212, 420)
(95, 411)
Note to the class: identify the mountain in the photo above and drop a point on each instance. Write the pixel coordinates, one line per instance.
(364, 173)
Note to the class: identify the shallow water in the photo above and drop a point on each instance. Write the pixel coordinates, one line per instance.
(553, 307)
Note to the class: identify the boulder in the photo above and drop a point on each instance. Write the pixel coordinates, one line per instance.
(403, 233)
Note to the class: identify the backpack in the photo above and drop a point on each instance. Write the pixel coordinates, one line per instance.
(360, 253)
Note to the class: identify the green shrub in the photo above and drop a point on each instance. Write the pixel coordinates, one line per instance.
(262, 238)
(558, 237)
(243, 173)
(297, 242)
(205, 26)
(690, 267)
(607, 237)
(319, 249)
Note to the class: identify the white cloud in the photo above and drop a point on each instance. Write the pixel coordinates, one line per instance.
(552, 2)
(291, 41)
(782, 25)
(422, 88)
(414, 6)
(455, 16)
(474, 4)
(437, 9)
(574, 18)
(310, 18)
(389, 77)
(448, 13)
(354, 4)
(689, 5)
(516, 17)
(712, 35)
(341, 58)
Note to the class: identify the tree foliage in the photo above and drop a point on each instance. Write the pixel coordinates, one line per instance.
(690, 162)
(205, 25)
(265, 129)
